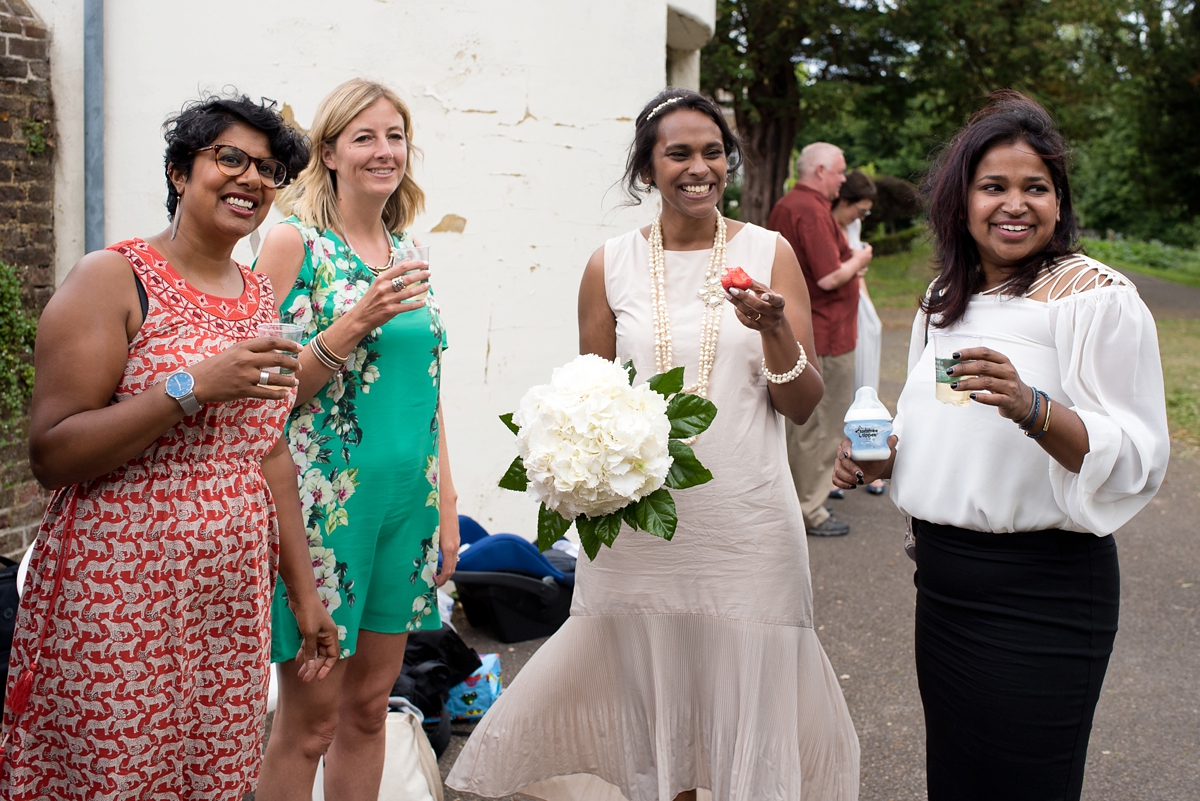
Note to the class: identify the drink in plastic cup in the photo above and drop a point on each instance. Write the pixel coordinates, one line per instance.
(413, 253)
(944, 348)
(868, 426)
(281, 331)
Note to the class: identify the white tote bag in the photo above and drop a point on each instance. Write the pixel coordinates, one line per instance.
(410, 769)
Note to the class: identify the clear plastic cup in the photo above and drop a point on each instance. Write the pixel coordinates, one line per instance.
(281, 331)
(944, 348)
(413, 253)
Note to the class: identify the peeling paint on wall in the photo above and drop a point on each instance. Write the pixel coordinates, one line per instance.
(451, 223)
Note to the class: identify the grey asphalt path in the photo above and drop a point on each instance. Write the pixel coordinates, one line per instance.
(1145, 744)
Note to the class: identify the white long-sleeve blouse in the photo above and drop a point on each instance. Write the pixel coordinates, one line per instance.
(1092, 346)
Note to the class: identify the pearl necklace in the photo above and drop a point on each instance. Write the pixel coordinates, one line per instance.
(710, 292)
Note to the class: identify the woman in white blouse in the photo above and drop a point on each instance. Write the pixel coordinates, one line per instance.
(1014, 497)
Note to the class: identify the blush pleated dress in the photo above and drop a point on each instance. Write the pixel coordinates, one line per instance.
(691, 663)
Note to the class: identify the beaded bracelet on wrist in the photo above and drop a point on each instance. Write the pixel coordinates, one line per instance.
(790, 375)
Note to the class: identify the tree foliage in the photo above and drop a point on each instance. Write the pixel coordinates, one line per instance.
(761, 54)
(891, 81)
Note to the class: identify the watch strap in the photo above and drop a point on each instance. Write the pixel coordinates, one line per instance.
(189, 403)
(187, 400)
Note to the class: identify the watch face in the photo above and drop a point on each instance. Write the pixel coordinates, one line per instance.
(180, 384)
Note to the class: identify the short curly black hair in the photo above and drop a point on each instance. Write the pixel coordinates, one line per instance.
(201, 121)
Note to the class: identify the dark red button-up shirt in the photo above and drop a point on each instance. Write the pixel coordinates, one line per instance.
(804, 217)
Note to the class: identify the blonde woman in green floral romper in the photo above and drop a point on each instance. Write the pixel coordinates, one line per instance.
(366, 438)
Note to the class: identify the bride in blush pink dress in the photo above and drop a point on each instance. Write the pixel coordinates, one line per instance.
(689, 669)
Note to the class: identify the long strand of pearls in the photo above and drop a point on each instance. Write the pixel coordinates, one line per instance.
(711, 293)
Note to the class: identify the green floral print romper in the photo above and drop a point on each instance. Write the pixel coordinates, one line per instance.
(366, 453)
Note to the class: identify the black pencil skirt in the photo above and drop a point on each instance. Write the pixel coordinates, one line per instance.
(1013, 636)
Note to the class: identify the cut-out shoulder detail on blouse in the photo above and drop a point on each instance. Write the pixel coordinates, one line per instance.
(1071, 275)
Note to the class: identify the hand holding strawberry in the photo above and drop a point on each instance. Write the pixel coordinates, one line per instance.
(735, 277)
(757, 306)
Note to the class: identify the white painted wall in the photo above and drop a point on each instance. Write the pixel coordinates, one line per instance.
(64, 20)
(523, 109)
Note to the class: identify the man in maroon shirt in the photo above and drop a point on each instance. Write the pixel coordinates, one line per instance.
(832, 271)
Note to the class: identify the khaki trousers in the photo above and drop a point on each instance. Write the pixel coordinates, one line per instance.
(812, 447)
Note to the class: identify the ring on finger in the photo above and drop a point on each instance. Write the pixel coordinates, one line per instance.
(758, 317)
(398, 283)
(264, 378)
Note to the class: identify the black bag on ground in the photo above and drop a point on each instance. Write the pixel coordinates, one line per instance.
(10, 601)
(435, 661)
(445, 646)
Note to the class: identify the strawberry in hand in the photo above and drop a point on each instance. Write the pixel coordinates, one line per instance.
(735, 277)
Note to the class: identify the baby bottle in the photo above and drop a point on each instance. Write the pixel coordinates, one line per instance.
(868, 425)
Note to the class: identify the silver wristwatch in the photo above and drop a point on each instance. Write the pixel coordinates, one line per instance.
(179, 385)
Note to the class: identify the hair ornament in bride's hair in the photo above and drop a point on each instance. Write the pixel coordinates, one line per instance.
(639, 168)
(661, 106)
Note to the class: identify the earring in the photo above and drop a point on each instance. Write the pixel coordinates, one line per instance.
(175, 218)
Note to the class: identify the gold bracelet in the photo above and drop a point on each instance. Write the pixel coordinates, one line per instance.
(1046, 425)
(329, 350)
(321, 353)
(323, 359)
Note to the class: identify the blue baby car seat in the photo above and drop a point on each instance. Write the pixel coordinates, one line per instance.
(508, 588)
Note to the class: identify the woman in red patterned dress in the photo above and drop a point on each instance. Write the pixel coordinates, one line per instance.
(139, 665)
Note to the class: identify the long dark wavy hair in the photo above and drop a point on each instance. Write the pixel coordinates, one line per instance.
(1009, 117)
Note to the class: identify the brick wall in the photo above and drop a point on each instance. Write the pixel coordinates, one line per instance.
(26, 228)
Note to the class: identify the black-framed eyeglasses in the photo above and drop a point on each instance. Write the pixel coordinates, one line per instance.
(233, 162)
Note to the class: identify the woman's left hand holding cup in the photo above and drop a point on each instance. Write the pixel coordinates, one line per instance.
(993, 381)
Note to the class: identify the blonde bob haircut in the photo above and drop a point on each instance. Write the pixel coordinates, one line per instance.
(313, 195)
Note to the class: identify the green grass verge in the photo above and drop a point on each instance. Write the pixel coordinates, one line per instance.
(1148, 258)
(899, 280)
(1179, 345)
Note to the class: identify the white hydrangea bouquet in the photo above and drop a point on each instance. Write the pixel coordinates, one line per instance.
(596, 450)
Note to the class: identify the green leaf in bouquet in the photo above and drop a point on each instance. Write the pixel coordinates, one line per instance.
(690, 415)
(609, 528)
(507, 420)
(551, 527)
(629, 369)
(601, 530)
(588, 537)
(686, 470)
(656, 514)
(604, 528)
(515, 479)
(629, 515)
(668, 383)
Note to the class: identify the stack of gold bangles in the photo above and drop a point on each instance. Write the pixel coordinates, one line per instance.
(324, 354)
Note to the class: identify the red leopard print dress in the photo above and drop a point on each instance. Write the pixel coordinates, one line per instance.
(152, 682)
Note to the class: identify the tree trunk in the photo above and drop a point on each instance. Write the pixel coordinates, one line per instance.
(768, 146)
